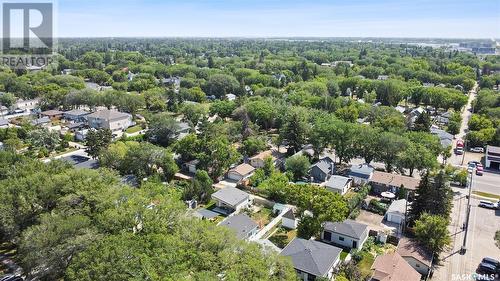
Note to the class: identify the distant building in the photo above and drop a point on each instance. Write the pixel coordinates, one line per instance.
(52, 114)
(76, 115)
(382, 77)
(109, 119)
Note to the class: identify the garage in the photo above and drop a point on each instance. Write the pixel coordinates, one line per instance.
(492, 159)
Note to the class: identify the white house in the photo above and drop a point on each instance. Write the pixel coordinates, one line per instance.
(231, 199)
(338, 184)
(191, 166)
(109, 119)
(396, 211)
(289, 220)
(257, 161)
(347, 234)
(240, 172)
(361, 174)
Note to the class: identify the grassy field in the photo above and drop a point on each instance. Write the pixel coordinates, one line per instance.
(262, 217)
(365, 264)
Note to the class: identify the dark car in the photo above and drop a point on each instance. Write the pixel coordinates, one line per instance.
(487, 268)
(491, 261)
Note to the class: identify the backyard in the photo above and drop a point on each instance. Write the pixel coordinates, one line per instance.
(282, 236)
(262, 216)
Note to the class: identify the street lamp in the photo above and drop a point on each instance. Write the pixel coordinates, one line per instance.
(463, 250)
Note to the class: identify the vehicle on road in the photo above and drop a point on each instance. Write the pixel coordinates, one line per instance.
(487, 268)
(460, 144)
(488, 205)
(492, 261)
(479, 170)
(477, 149)
(459, 151)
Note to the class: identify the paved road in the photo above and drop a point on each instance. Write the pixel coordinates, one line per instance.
(480, 243)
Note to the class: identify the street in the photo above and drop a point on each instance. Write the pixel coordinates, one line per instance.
(480, 243)
(483, 223)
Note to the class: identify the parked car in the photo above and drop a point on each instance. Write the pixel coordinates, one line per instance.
(459, 151)
(488, 205)
(492, 261)
(479, 170)
(487, 268)
(477, 149)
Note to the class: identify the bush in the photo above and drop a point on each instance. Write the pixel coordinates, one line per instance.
(377, 207)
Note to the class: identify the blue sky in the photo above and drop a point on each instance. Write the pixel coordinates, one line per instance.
(268, 18)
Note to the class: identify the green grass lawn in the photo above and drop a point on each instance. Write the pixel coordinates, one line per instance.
(133, 129)
(343, 255)
(282, 237)
(262, 217)
(486, 194)
(365, 264)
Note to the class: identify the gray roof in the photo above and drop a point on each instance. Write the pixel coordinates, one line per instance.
(231, 196)
(312, 256)
(107, 114)
(204, 213)
(289, 214)
(324, 165)
(76, 112)
(361, 171)
(445, 138)
(337, 182)
(241, 223)
(4, 122)
(397, 206)
(348, 228)
(42, 120)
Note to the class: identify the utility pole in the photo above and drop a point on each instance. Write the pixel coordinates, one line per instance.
(463, 250)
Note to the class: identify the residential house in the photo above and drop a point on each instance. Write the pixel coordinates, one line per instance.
(4, 123)
(81, 135)
(240, 172)
(415, 255)
(338, 184)
(183, 130)
(257, 161)
(191, 166)
(312, 259)
(347, 234)
(383, 77)
(361, 174)
(41, 122)
(392, 267)
(382, 181)
(289, 220)
(396, 212)
(445, 138)
(322, 170)
(242, 224)
(52, 114)
(231, 97)
(109, 119)
(231, 199)
(76, 115)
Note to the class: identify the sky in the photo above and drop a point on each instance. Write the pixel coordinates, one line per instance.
(273, 18)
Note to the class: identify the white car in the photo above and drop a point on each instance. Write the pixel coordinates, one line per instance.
(477, 149)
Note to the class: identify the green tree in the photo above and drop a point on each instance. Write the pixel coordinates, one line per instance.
(294, 131)
(97, 140)
(298, 166)
(432, 232)
(200, 188)
(163, 129)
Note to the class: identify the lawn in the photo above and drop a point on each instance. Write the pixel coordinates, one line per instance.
(262, 217)
(133, 129)
(282, 237)
(365, 264)
(486, 194)
(343, 255)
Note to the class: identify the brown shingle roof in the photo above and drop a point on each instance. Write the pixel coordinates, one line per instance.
(51, 113)
(392, 267)
(410, 248)
(264, 154)
(243, 169)
(395, 180)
